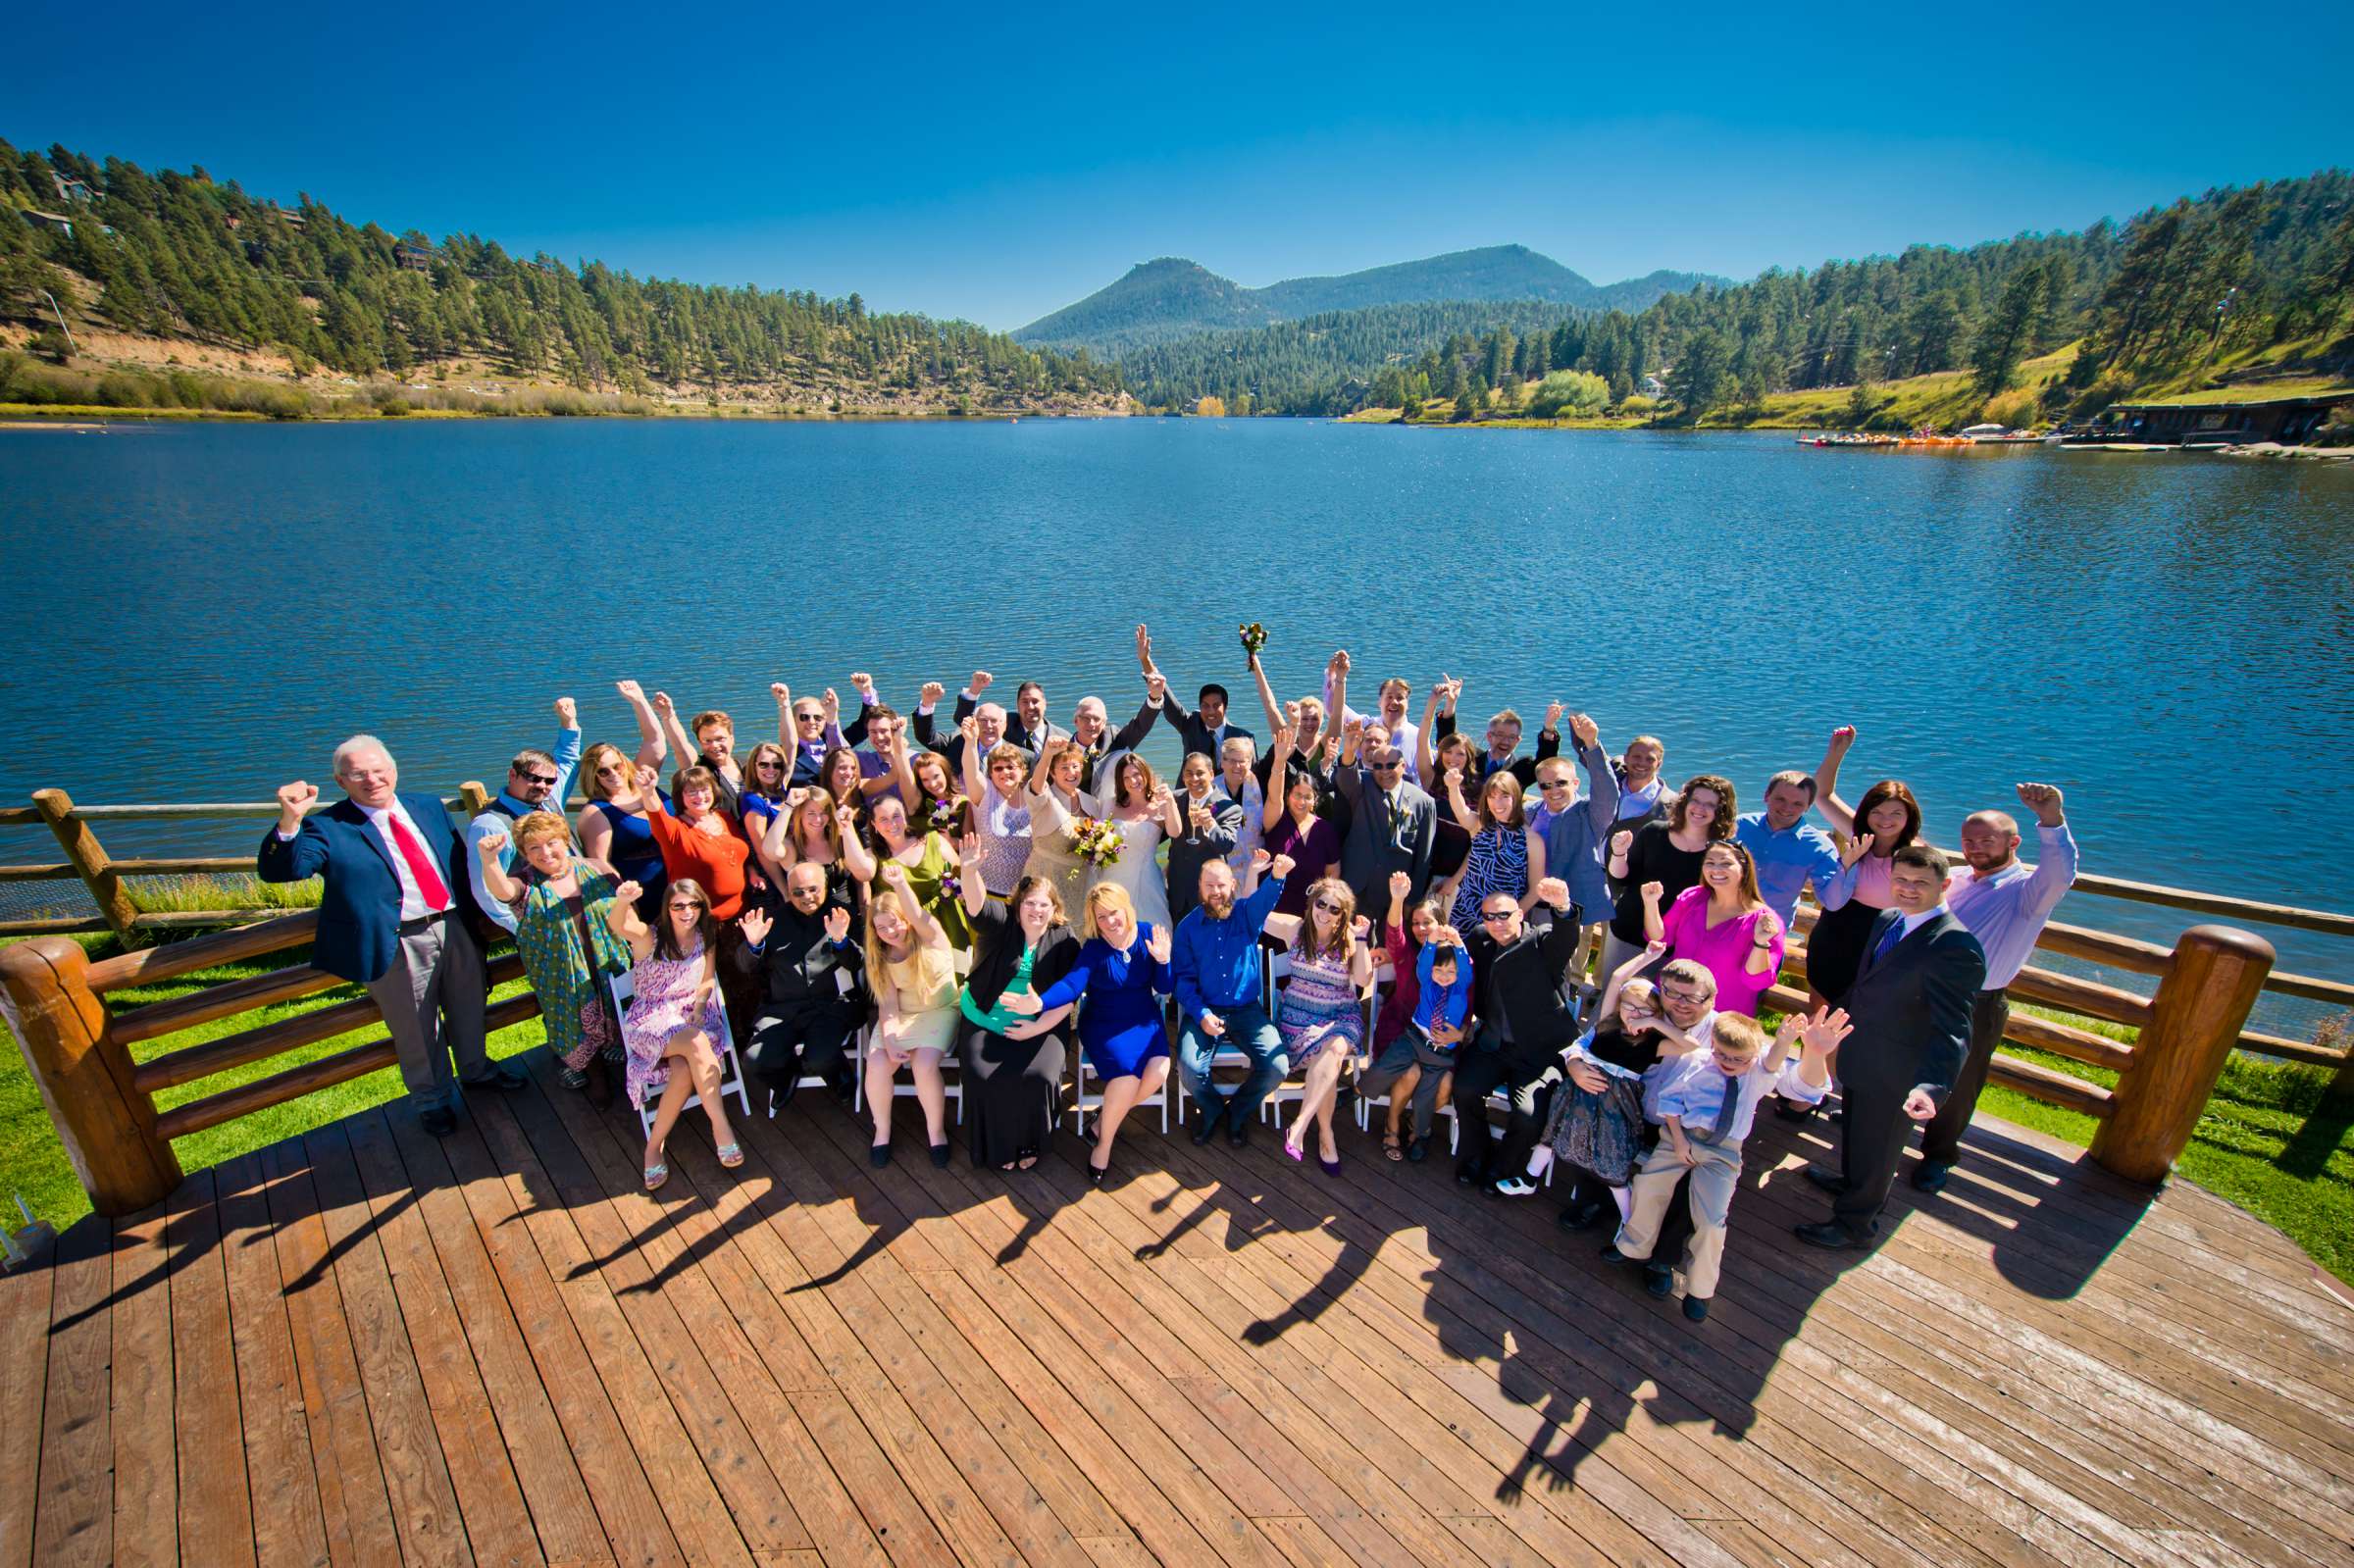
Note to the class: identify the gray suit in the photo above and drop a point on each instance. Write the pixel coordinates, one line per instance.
(1379, 842)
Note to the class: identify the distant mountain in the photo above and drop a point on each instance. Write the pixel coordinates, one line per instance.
(1170, 297)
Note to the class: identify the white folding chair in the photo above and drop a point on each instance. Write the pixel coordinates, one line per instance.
(731, 1070)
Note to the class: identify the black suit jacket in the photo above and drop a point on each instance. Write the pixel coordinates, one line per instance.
(1522, 981)
(1369, 854)
(1192, 733)
(1911, 1011)
(804, 967)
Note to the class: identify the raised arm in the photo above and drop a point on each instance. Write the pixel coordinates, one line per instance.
(651, 746)
(1625, 972)
(855, 856)
(1131, 734)
(1835, 811)
(491, 876)
(926, 929)
(673, 730)
(566, 753)
(1266, 695)
(972, 889)
(621, 918)
(778, 851)
(1655, 925)
(969, 750)
(1278, 783)
(1464, 814)
(1536, 869)
(1602, 784)
(864, 684)
(1430, 714)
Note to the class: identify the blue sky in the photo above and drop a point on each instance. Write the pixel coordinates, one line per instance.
(996, 163)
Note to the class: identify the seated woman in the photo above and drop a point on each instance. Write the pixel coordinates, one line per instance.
(566, 945)
(1506, 855)
(1000, 816)
(1320, 1015)
(1122, 970)
(1722, 924)
(767, 772)
(912, 971)
(812, 829)
(1013, 1061)
(700, 843)
(1058, 799)
(1146, 813)
(842, 777)
(673, 1028)
(931, 865)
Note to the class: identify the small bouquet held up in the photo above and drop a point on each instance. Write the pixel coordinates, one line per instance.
(1096, 841)
(1255, 638)
(946, 817)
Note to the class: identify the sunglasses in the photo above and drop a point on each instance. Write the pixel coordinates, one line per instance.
(1491, 916)
(1549, 787)
(689, 905)
(1326, 906)
(808, 718)
(1387, 767)
(610, 770)
(542, 778)
(769, 763)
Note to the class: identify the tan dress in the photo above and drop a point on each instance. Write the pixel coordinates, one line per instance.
(924, 991)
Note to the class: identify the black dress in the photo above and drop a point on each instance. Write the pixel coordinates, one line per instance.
(1012, 1087)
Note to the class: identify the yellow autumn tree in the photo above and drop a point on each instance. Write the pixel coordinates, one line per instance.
(1211, 408)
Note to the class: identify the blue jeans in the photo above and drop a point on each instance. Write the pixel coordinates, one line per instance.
(1250, 1030)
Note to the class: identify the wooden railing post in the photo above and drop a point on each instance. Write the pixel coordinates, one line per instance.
(474, 799)
(82, 848)
(105, 1121)
(2202, 1004)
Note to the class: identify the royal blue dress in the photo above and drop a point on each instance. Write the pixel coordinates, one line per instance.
(1120, 1027)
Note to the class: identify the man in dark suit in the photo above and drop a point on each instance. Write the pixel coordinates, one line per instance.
(1391, 823)
(389, 918)
(816, 995)
(1910, 1010)
(1524, 1023)
(1204, 730)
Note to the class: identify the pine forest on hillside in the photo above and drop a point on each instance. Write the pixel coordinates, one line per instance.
(2260, 277)
(181, 255)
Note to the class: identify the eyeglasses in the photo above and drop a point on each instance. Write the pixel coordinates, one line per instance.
(610, 769)
(1688, 998)
(542, 778)
(1493, 916)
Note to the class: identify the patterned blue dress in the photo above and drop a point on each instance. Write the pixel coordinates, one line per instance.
(1318, 994)
(1498, 863)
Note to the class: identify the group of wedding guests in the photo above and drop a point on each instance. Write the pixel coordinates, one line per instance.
(1373, 897)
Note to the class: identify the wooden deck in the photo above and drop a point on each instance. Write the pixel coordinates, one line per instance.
(370, 1346)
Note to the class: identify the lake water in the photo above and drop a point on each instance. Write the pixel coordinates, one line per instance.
(202, 610)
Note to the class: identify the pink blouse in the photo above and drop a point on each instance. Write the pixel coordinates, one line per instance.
(1722, 951)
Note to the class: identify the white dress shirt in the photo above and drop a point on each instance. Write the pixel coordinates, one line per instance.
(412, 898)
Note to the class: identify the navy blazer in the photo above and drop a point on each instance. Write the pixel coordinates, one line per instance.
(1911, 1011)
(359, 914)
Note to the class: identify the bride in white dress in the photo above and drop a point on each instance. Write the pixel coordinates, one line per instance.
(1145, 811)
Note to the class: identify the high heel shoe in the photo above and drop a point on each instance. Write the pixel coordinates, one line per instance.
(1096, 1174)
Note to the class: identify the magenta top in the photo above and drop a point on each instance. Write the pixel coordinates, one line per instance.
(1723, 951)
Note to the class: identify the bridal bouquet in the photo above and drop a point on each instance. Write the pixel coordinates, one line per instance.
(1255, 638)
(1096, 841)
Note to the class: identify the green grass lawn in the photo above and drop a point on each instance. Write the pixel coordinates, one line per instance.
(2265, 1143)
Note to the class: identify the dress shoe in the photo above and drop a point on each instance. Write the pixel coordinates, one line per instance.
(1417, 1151)
(1828, 1236)
(1659, 1280)
(879, 1155)
(939, 1155)
(1696, 1307)
(441, 1121)
(1213, 1111)
(1582, 1216)
(1238, 1130)
(1828, 1180)
(1610, 1254)
(1471, 1174)
(1927, 1178)
(1794, 1111)
(502, 1077)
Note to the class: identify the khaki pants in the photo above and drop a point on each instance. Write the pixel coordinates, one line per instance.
(1714, 1176)
(435, 978)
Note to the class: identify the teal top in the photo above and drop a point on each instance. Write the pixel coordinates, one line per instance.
(999, 1018)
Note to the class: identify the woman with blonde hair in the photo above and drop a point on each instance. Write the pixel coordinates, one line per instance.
(1014, 1049)
(1321, 1016)
(674, 1022)
(1000, 818)
(566, 945)
(912, 971)
(1122, 971)
(1144, 812)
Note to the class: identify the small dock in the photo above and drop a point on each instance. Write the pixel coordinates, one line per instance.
(366, 1346)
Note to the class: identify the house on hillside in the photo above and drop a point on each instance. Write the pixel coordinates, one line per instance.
(58, 223)
(2285, 420)
(285, 216)
(70, 188)
(1653, 387)
(413, 258)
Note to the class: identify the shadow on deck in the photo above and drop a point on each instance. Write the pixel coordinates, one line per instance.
(367, 1345)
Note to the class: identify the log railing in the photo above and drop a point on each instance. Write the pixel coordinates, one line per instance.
(103, 1101)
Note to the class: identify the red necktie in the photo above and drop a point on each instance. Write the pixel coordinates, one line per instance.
(421, 866)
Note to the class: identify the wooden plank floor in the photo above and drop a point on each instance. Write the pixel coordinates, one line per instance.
(367, 1346)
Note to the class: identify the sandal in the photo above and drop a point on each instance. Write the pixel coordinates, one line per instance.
(730, 1156)
(1391, 1148)
(657, 1176)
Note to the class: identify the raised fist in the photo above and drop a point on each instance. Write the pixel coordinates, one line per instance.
(1401, 884)
(1553, 715)
(491, 843)
(979, 682)
(663, 705)
(1620, 842)
(1584, 728)
(929, 694)
(1281, 867)
(297, 798)
(969, 728)
(629, 893)
(630, 691)
(895, 875)
(1555, 892)
(567, 713)
(861, 683)
(782, 692)
(1652, 891)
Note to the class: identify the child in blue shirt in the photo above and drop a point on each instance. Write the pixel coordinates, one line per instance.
(1420, 1062)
